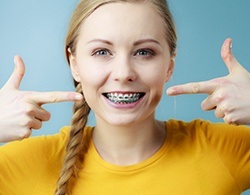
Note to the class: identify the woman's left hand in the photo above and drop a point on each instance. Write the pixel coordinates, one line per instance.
(229, 96)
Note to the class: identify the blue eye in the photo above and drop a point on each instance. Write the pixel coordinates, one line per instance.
(101, 52)
(145, 53)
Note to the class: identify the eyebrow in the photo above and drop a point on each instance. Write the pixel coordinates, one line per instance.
(100, 40)
(141, 41)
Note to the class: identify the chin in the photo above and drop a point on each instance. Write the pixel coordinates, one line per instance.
(120, 120)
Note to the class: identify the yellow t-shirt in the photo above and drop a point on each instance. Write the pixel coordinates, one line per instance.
(197, 158)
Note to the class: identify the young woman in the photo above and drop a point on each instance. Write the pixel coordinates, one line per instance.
(120, 63)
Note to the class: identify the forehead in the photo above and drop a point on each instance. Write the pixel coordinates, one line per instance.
(124, 19)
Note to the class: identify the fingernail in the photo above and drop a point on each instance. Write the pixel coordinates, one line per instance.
(231, 46)
(14, 59)
(78, 97)
(171, 91)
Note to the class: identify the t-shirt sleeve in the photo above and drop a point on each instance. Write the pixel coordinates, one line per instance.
(232, 143)
(22, 162)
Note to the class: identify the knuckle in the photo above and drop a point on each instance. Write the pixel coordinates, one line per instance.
(29, 109)
(24, 134)
(223, 108)
(27, 122)
(195, 87)
(233, 118)
(219, 98)
(30, 124)
(227, 107)
(229, 119)
(53, 98)
(38, 125)
(47, 116)
(219, 113)
(27, 133)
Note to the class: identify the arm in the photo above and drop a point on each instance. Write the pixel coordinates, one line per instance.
(229, 96)
(21, 111)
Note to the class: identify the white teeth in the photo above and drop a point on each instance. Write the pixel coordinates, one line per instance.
(123, 98)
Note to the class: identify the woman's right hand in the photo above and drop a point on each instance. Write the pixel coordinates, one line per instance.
(21, 111)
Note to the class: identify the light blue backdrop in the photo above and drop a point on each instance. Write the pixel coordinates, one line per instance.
(36, 29)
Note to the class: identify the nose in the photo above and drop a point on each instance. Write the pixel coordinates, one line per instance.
(123, 70)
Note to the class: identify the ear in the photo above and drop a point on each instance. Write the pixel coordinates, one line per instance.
(170, 69)
(73, 66)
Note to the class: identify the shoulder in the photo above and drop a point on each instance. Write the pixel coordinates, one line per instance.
(214, 133)
(184, 124)
(229, 143)
(31, 159)
(207, 127)
(187, 128)
(223, 138)
(48, 144)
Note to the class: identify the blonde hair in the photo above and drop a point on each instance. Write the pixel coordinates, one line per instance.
(78, 144)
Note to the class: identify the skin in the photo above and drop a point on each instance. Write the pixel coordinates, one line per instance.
(135, 60)
(229, 95)
(23, 109)
(135, 135)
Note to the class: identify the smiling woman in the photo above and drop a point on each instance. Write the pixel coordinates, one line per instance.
(120, 63)
(122, 69)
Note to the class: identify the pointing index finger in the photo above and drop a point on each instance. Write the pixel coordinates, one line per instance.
(206, 87)
(55, 96)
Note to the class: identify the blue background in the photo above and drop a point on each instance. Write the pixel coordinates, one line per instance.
(36, 30)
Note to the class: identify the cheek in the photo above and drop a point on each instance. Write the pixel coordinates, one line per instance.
(91, 79)
(91, 83)
(156, 76)
(156, 80)
(91, 75)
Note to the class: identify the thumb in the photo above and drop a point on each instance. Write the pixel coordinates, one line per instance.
(16, 77)
(228, 57)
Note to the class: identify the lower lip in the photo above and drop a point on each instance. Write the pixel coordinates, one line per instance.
(124, 106)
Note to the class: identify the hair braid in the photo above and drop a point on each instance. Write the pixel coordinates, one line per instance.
(78, 144)
(76, 147)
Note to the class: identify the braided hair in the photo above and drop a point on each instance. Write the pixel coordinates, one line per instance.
(78, 144)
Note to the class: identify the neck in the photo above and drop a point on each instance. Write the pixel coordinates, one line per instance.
(130, 144)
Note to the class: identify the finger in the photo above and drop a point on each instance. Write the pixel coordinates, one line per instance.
(17, 75)
(208, 103)
(33, 110)
(53, 97)
(206, 87)
(36, 124)
(30, 122)
(26, 133)
(219, 113)
(229, 120)
(215, 99)
(42, 114)
(228, 57)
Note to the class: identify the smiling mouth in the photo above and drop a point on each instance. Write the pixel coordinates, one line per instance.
(123, 98)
